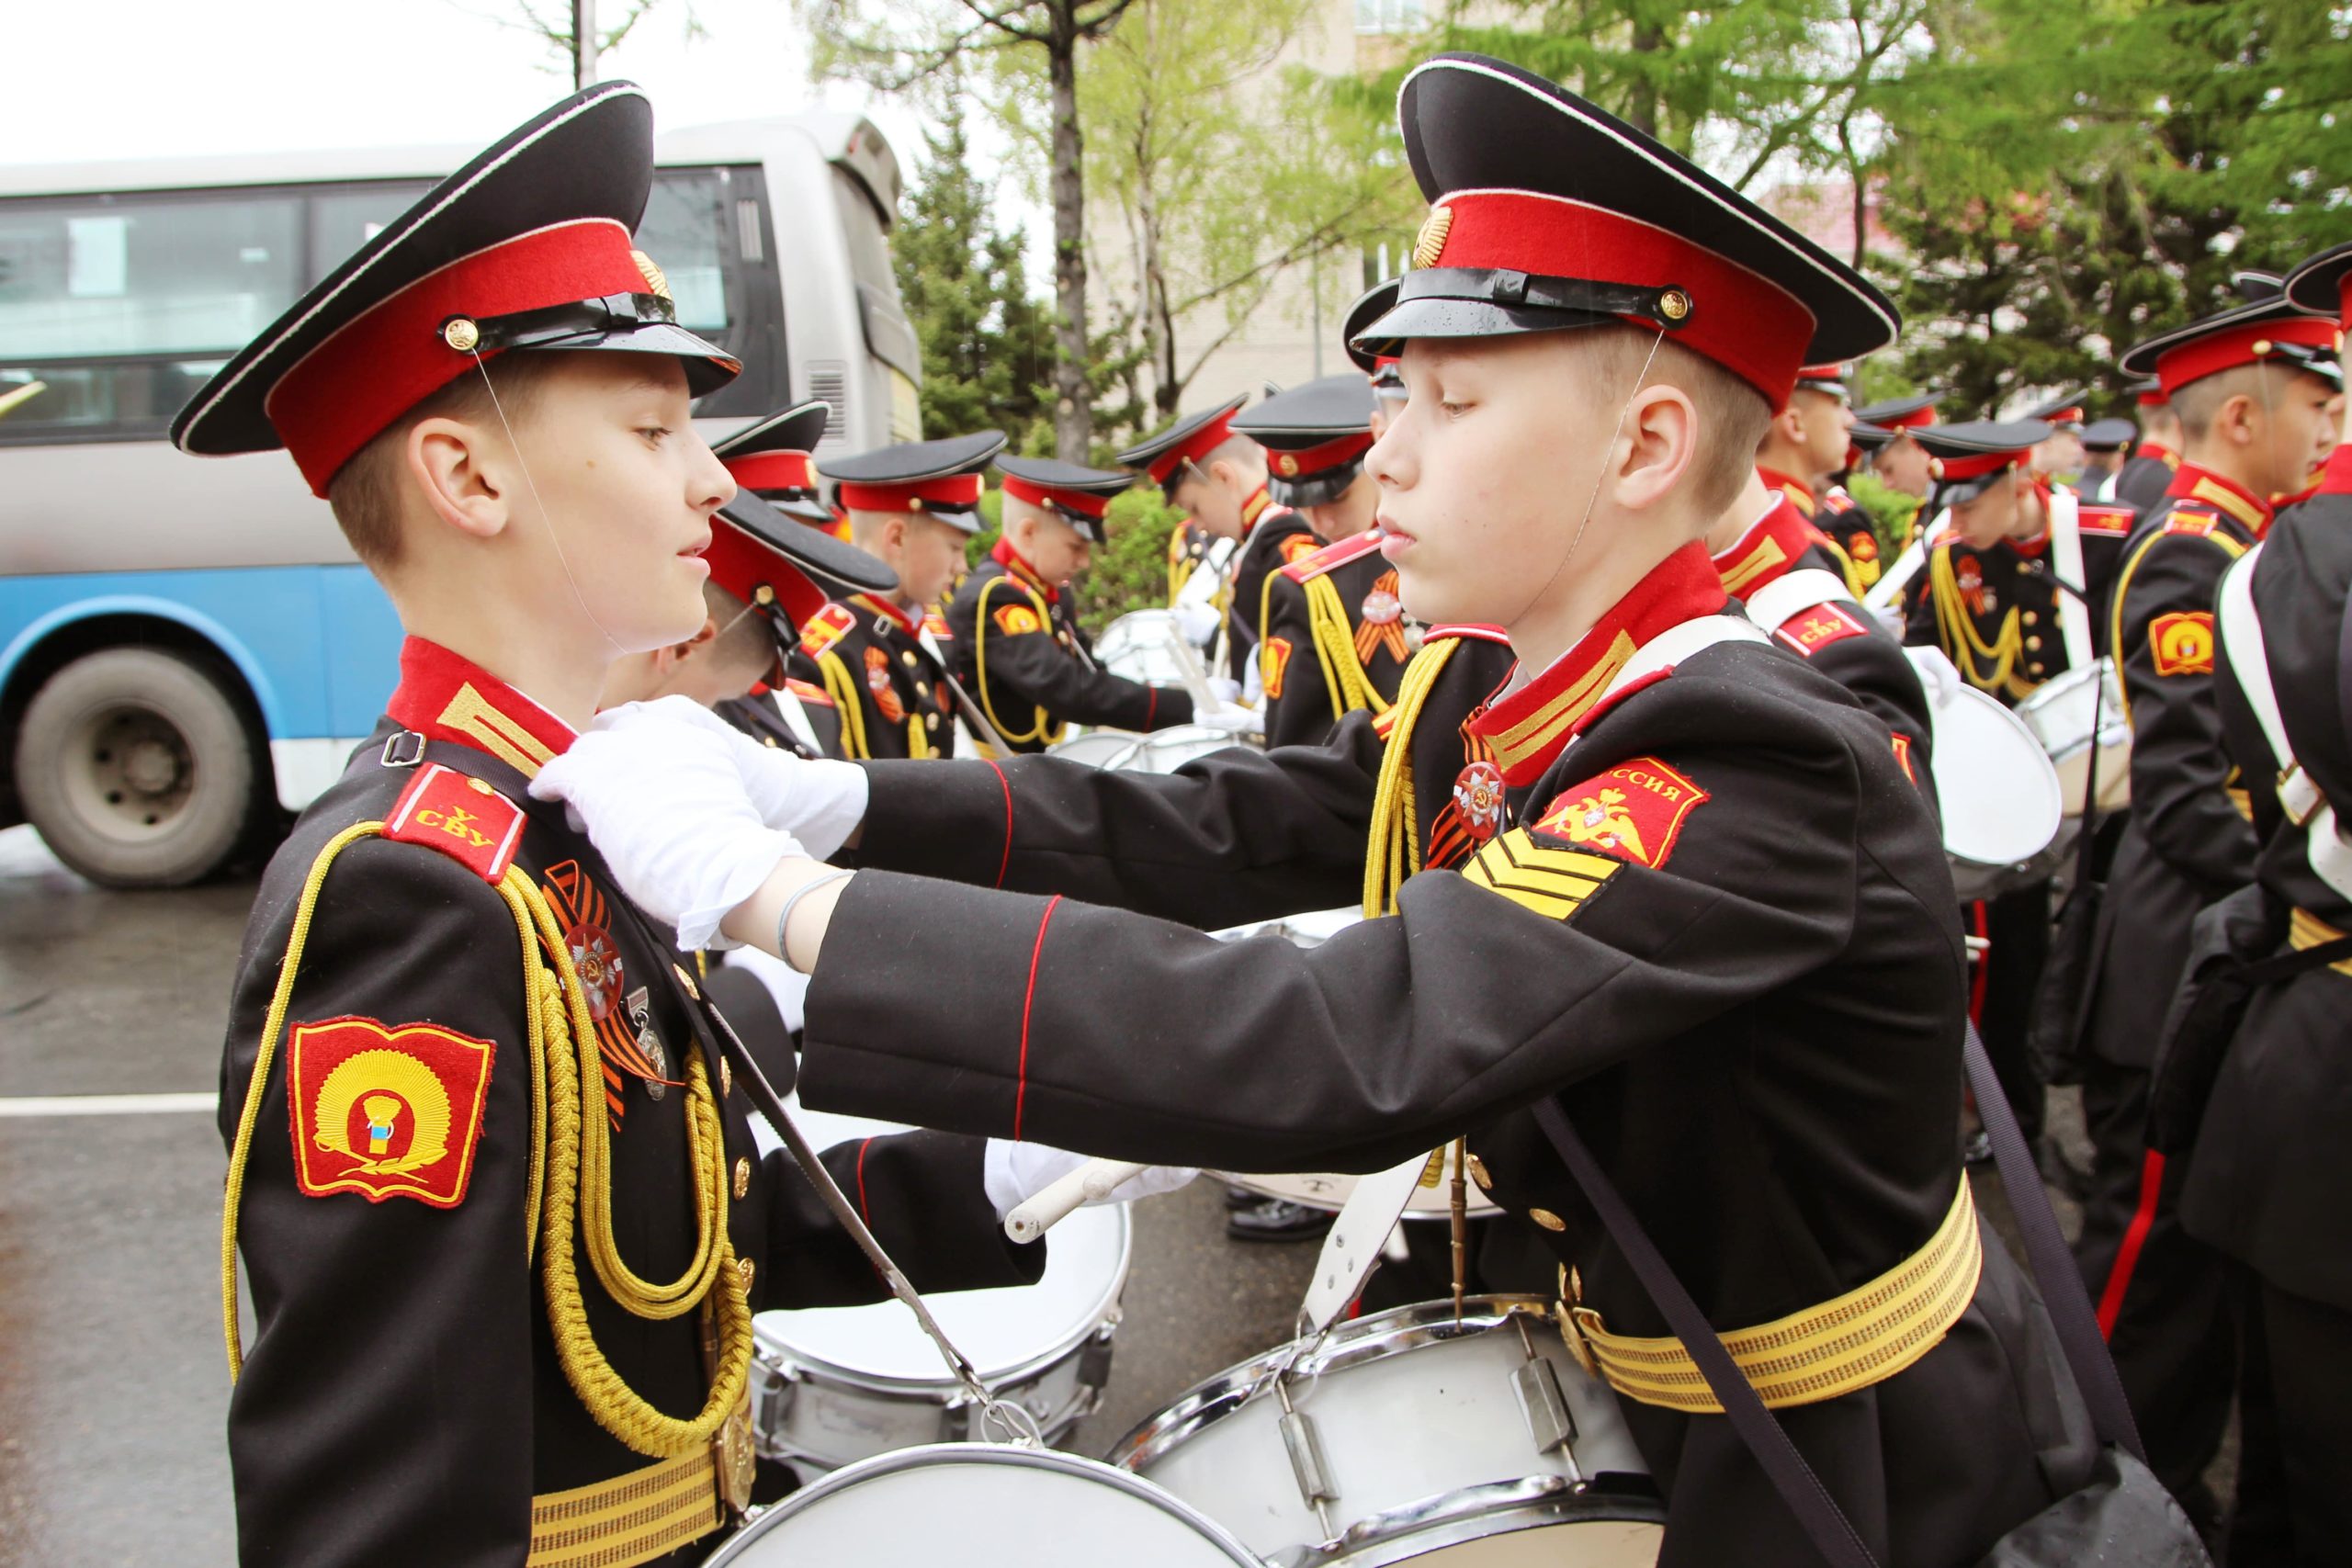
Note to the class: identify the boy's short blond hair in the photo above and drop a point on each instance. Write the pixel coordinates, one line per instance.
(366, 492)
(1733, 415)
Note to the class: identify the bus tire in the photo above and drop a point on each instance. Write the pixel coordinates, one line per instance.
(137, 768)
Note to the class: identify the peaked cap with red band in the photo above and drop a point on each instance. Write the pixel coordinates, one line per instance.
(1370, 306)
(2323, 285)
(1314, 438)
(775, 456)
(2063, 411)
(1966, 459)
(527, 247)
(936, 478)
(1834, 379)
(1080, 496)
(783, 568)
(2148, 392)
(1548, 213)
(1189, 439)
(2275, 331)
(1912, 412)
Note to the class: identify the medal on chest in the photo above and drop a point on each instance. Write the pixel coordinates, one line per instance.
(639, 1010)
(877, 681)
(598, 962)
(1478, 796)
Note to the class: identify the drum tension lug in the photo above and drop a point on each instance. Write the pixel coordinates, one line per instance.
(1094, 1361)
(1542, 1405)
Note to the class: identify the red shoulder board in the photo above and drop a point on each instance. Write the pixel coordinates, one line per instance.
(1315, 565)
(807, 691)
(1297, 546)
(1633, 811)
(826, 628)
(386, 1112)
(2097, 517)
(1818, 627)
(936, 625)
(461, 817)
(2197, 525)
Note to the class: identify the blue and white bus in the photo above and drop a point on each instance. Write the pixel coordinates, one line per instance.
(187, 651)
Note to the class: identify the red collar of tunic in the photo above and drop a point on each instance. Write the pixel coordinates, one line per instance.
(1005, 555)
(1797, 491)
(1768, 549)
(2159, 451)
(1254, 508)
(2039, 542)
(2192, 481)
(884, 607)
(2336, 478)
(1528, 727)
(447, 696)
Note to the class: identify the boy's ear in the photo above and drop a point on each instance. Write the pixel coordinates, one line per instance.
(448, 462)
(679, 652)
(1660, 441)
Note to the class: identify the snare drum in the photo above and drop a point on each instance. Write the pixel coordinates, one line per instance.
(1482, 1446)
(2059, 715)
(1996, 790)
(982, 1506)
(1162, 751)
(1147, 646)
(832, 1385)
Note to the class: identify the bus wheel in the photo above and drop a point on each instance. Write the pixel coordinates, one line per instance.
(136, 767)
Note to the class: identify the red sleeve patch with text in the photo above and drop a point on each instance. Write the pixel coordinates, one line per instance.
(461, 817)
(1633, 811)
(824, 628)
(1818, 627)
(386, 1112)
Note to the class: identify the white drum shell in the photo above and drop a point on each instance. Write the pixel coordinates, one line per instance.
(981, 1505)
(1146, 646)
(1427, 1442)
(1162, 751)
(2059, 715)
(1996, 790)
(832, 1385)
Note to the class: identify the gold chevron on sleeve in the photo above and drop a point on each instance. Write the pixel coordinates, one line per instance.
(1553, 883)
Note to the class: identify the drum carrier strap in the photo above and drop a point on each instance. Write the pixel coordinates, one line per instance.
(2241, 632)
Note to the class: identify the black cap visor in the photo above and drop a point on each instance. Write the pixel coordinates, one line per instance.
(635, 323)
(1473, 303)
(1314, 490)
(834, 566)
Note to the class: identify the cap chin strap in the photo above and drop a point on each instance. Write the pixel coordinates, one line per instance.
(1594, 500)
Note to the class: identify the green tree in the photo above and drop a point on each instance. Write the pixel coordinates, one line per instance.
(987, 345)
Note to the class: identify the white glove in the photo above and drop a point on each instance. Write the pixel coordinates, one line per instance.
(1231, 718)
(1892, 617)
(663, 800)
(1199, 623)
(1225, 688)
(1937, 673)
(1013, 1173)
(818, 802)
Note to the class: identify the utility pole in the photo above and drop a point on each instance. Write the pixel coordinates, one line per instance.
(584, 43)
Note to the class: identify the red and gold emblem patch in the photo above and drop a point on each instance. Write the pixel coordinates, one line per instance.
(1635, 811)
(824, 628)
(1018, 620)
(1478, 796)
(1818, 627)
(386, 1112)
(2182, 643)
(877, 681)
(1298, 547)
(1903, 755)
(1273, 665)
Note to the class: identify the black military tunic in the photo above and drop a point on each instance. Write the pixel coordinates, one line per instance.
(1711, 939)
(1995, 611)
(760, 715)
(1318, 666)
(865, 653)
(1272, 536)
(1849, 523)
(2146, 476)
(402, 1401)
(1839, 635)
(1810, 507)
(2271, 1174)
(2188, 841)
(1019, 652)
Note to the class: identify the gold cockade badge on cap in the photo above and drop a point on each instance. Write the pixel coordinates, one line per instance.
(1431, 241)
(655, 278)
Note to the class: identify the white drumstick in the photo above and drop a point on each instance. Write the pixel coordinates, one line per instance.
(1089, 1183)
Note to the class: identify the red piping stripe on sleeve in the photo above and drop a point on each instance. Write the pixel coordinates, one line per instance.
(1021, 1086)
(863, 1212)
(1006, 864)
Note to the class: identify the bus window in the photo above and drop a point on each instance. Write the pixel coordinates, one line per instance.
(723, 284)
(124, 305)
(342, 220)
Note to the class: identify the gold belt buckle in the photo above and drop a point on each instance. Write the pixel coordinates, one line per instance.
(1571, 1309)
(734, 1458)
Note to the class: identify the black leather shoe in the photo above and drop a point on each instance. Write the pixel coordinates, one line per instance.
(1278, 1219)
(1241, 1197)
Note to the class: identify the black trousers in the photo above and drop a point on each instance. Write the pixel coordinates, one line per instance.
(2017, 926)
(2162, 1297)
(2294, 1506)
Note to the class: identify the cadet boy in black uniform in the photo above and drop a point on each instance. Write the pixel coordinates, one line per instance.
(1335, 636)
(912, 506)
(2252, 386)
(1016, 644)
(2106, 443)
(1218, 481)
(1899, 461)
(2059, 454)
(1988, 597)
(2270, 1178)
(493, 1186)
(2147, 474)
(1711, 928)
(1804, 445)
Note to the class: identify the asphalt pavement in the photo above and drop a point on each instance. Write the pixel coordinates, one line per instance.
(113, 1386)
